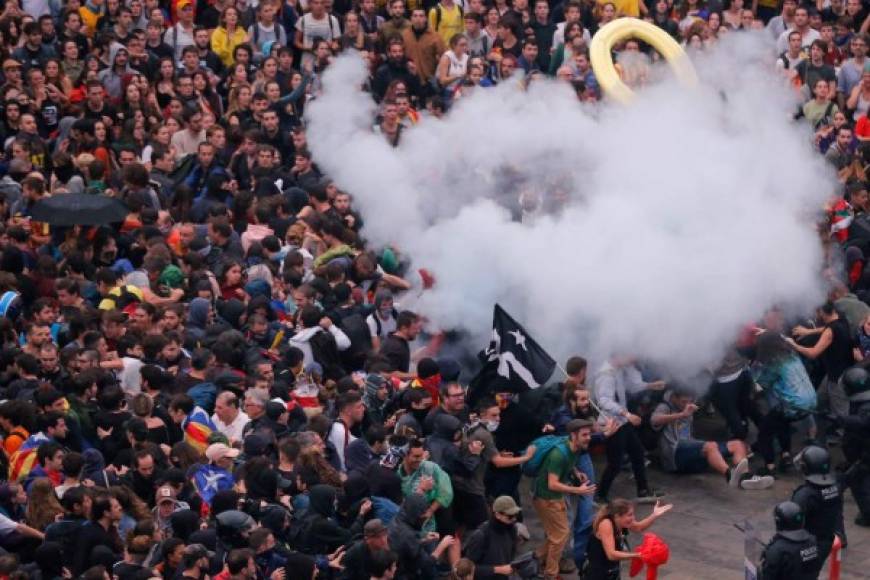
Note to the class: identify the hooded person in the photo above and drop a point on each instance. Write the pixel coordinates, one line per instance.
(232, 312)
(324, 534)
(184, 523)
(404, 537)
(113, 76)
(197, 319)
(376, 393)
(444, 451)
(94, 469)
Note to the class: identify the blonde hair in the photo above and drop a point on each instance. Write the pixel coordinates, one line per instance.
(463, 570)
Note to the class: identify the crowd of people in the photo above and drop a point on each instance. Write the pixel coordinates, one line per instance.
(225, 384)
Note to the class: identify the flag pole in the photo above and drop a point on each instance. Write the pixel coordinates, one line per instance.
(591, 400)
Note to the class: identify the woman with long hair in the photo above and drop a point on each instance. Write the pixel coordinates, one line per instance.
(228, 35)
(57, 78)
(165, 84)
(354, 36)
(42, 505)
(209, 101)
(608, 544)
(135, 510)
(239, 108)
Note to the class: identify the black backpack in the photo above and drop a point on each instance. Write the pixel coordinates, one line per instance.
(356, 329)
(325, 352)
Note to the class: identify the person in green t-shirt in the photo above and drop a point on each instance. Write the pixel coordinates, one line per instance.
(557, 476)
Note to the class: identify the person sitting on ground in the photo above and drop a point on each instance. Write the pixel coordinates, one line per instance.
(682, 453)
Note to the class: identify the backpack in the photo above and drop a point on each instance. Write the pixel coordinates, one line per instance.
(276, 31)
(331, 27)
(543, 446)
(378, 326)
(125, 298)
(325, 352)
(356, 329)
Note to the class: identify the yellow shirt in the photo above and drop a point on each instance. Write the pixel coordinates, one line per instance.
(451, 22)
(223, 45)
(625, 7)
(89, 19)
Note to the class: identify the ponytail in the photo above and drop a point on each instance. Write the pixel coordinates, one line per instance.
(614, 508)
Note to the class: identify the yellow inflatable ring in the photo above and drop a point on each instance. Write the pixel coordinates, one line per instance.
(601, 58)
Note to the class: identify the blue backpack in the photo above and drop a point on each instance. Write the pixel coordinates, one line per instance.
(543, 446)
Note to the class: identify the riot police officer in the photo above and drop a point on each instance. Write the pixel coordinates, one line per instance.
(792, 553)
(856, 383)
(820, 499)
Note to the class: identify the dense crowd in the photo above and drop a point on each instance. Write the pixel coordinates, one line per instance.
(224, 384)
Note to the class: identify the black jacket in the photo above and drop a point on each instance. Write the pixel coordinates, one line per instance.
(492, 544)
(823, 506)
(791, 556)
(92, 535)
(414, 561)
(324, 534)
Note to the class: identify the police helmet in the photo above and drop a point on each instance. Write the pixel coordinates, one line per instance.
(788, 516)
(815, 463)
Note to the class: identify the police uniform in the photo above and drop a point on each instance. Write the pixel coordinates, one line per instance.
(791, 555)
(857, 432)
(823, 507)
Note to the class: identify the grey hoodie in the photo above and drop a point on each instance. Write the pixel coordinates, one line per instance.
(111, 78)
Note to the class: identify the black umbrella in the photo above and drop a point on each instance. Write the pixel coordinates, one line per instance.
(79, 209)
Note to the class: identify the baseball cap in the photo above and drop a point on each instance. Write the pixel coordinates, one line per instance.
(11, 63)
(577, 424)
(197, 551)
(165, 493)
(505, 504)
(182, 4)
(218, 451)
(374, 528)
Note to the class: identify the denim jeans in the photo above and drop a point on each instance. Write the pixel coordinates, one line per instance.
(582, 527)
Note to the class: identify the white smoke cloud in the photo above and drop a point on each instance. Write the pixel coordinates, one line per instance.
(691, 210)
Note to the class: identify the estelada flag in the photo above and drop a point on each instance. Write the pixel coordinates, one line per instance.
(197, 429)
(23, 460)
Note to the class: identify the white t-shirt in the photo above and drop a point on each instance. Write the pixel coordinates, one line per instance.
(178, 40)
(233, 430)
(387, 326)
(7, 526)
(341, 438)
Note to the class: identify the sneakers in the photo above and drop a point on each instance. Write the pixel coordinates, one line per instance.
(567, 566)
(756, 482)
(736, 473)
(649, 496)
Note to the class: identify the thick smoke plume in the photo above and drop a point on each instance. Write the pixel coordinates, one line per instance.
(689, 212)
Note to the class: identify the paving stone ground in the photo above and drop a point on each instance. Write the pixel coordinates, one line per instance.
(700, 528)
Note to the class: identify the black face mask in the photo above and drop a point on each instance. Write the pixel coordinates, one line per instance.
(500, 525)
(420, 414)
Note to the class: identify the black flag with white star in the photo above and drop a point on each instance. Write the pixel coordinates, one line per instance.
(513, 362)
